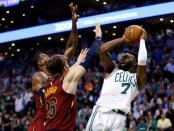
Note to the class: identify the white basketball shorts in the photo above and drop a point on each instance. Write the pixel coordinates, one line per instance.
(105, 120)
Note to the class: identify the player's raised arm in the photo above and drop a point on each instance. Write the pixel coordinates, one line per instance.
(73, 38)
(142, 62)
(105, 57)
(76, 72)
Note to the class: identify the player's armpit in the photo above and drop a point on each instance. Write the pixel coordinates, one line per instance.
(141, 76)
(71, 80)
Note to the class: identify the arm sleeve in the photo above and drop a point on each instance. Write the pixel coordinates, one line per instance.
(142, 53)
(93, 51)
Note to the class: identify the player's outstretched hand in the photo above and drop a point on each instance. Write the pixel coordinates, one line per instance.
(74, 12)
(144, 35)
(98, 31)
(82, 55)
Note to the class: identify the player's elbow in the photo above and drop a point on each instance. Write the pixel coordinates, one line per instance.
(73, 51)
(102, 49)
(78, 73)
(76, 77)
(142, 61)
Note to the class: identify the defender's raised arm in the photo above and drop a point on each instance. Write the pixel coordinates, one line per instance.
(73, 38)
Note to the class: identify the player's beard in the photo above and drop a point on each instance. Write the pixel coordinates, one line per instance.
(43, 66)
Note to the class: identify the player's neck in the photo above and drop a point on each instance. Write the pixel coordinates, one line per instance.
(43, 69)
(132, 70)
(65, 71)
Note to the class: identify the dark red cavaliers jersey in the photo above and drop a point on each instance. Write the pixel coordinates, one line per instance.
(40, 117)
(61, 108)
(40, 109)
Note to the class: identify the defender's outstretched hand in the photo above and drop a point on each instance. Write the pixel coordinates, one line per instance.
(82, 55)
(74, 12)
(73, 38)
(98, 31)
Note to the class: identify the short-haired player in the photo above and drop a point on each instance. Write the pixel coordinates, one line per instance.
(60, 94)
(121, 84)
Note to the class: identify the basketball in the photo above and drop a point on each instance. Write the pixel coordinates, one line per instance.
(133, 33)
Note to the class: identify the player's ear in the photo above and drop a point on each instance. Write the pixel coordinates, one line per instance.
(65, 69)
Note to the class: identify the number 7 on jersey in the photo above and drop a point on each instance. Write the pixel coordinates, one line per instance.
(126, 86)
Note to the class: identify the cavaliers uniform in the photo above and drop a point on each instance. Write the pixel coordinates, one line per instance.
(40, 117)
(61, 108)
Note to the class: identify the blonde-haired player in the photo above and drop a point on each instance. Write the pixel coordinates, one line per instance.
(121, 84)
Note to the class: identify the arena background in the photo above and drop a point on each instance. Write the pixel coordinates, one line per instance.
(17, 107)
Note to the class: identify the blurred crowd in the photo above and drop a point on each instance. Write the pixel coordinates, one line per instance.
(120, 5)
(152, 110)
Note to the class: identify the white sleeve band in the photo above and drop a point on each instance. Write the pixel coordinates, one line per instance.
(142, 53)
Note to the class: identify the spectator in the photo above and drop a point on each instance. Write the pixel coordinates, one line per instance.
(6, 122)
(158, 55)
(142, 126)
(152, 122)
(137, 112)
(159, 111)
(164, 124)
(27, 96)
(27, 100)
(14, 122)
(1, 121)
(169, 68)
(19, 105)
(170, 115)
(149, 92)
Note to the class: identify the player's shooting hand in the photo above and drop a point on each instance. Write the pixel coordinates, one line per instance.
(74, 12)
(144, 35)
(98, 31)
(124, 36)
(125, 39)
(82, 55)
